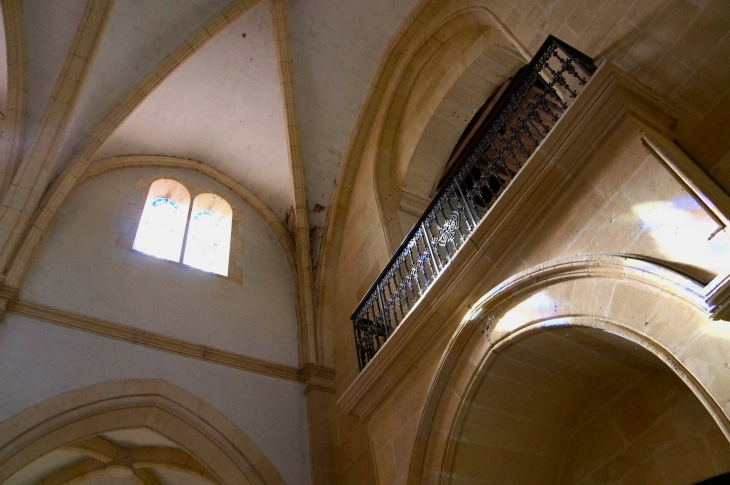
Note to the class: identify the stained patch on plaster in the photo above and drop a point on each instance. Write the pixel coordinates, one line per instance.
(318, 208)
(289, 219)
(316, 232)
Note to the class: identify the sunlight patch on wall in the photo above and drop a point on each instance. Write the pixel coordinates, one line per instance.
(684, 232)
(536, 307)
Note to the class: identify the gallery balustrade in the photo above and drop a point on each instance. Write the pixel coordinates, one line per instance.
(529, 105)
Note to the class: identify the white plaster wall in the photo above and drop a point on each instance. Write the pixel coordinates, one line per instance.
(336, 47)
(40, 360)
(139, 35)
(223, 107)
(79, 267)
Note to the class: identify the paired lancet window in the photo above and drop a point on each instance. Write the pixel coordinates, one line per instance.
(167, 215)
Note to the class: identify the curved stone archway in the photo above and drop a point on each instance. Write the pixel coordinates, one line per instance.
(372, 135)
(573, 405)
(229, 456)
(11, 142)
(654, 309)
(431, 76)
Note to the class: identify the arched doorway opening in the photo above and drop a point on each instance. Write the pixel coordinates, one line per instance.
(579, 405)
(593, 317)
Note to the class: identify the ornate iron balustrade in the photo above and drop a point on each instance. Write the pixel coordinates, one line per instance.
(519, 120)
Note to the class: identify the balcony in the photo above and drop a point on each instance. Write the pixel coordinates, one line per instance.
(494, 148)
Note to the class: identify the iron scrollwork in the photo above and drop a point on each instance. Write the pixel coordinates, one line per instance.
(523, 116)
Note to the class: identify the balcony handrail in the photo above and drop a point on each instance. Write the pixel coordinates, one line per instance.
(548, 76)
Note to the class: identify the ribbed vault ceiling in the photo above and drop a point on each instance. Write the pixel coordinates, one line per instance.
(59, 465)
(223, 106)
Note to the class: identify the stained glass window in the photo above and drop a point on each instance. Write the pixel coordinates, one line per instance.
(162, 226)
(208, 243)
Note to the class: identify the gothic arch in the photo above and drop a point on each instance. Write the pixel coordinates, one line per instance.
(13, 130)
(604, 292)
(227, 453)
(376, 121)
(437, 63)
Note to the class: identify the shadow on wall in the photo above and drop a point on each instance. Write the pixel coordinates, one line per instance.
(581, 405)
(718, 480)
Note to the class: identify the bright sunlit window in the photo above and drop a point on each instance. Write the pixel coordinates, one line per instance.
(165, 217)
(209, 234)
(162, 226)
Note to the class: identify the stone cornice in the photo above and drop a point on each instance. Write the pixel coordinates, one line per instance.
(152, 340)
(318, 377)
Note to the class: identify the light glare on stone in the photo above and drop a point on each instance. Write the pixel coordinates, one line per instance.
(118, 472)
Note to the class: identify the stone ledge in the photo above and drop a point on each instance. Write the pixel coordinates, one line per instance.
(153, 340)
(610, 100)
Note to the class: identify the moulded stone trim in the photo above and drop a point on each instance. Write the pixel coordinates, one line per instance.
(368, 390)
(317, 377)
(305, 282)
(226, 452)
(101, 450)
(480, 336)
(153, 340)
(31, 179)
(14, 123)
(416, 29)
(451, 33)
(610, 100)
(95, 447)
(78, 472)
(710, 197)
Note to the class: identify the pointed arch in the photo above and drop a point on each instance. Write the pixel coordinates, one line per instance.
(373, 131)
(20, 267)
(599, 291)
(22, 244)
(424, 84)
(226, 452)
(13, 126)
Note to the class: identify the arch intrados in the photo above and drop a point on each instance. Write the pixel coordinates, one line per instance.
(229, 455)
(424, 66)
(469, 354)
(430, 46)
(452, 30)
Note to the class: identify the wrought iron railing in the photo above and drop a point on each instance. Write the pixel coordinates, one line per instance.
(519, 120)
